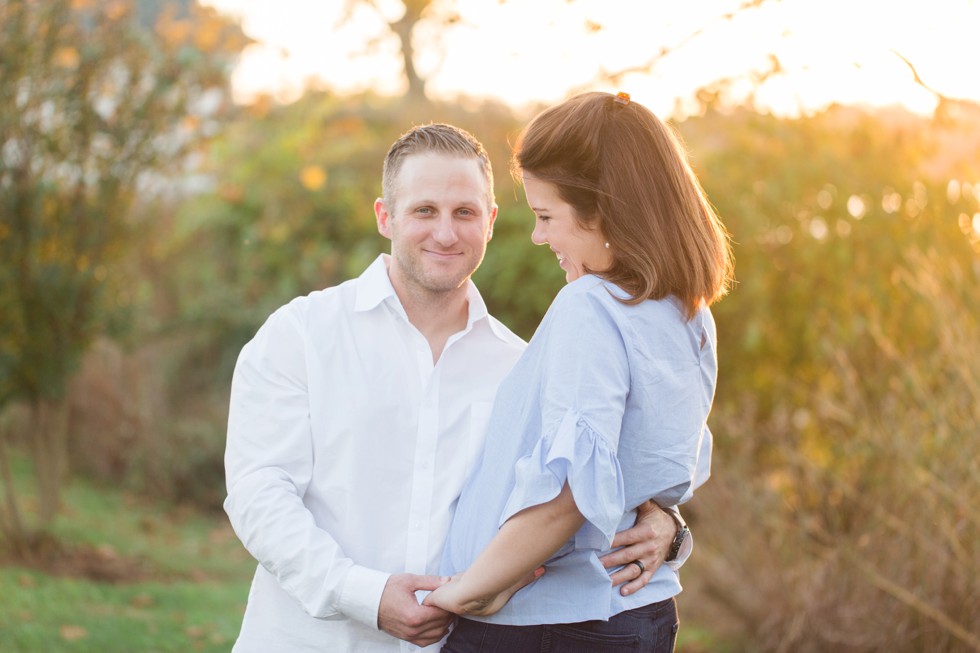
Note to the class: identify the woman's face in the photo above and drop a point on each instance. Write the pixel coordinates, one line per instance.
(556, 225)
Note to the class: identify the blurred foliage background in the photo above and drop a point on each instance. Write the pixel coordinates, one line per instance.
(148, 225)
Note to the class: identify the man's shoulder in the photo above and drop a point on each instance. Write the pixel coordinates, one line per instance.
(317, 304)
(323, 297)
(342, 295)
(508, 339)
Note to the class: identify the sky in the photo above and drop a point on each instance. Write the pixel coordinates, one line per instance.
(526, 51)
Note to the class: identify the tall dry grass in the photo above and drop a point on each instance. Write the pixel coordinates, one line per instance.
(136, 420)
(852, 523)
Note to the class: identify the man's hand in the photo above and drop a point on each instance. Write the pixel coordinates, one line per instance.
(401, 616)
(648, 541)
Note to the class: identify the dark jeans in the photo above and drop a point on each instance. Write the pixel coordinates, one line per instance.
(650, 629)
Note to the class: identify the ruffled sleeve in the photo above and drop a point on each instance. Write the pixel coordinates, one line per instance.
(583, 380)
(574, 452)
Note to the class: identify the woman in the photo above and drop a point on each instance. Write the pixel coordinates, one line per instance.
(608, 405)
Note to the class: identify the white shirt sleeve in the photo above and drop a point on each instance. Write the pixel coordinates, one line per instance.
(269, 465)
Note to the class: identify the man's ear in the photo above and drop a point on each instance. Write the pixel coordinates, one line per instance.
(383, 218)
(493, 218)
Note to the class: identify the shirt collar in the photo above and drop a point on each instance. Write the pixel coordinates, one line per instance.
(479, 313)
(374, 287)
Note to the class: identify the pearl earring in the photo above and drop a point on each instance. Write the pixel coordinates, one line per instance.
(607, 245)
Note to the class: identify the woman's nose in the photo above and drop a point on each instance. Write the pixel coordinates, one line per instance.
(538, 236)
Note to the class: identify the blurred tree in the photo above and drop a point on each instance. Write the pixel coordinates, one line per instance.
(847, 398)
(823, 209)
(93, 110)
(290, 210)
(403, 27)
(404, 17)
(282, 206)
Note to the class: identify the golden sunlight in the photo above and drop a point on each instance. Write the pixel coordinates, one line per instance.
(793, 56)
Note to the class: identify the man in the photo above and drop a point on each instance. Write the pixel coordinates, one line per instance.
(357, 412)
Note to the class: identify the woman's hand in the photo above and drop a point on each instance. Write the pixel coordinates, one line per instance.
(455, 596)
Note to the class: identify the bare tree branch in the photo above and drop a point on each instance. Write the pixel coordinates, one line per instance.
(917, 78)
(401, 28)
(616, 77)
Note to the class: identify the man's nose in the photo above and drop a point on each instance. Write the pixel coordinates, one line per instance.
(445, 230)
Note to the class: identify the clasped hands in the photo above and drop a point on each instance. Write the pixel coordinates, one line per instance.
(401, 615)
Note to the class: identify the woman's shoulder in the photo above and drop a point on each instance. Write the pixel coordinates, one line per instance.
(586, 297)
(590, 292)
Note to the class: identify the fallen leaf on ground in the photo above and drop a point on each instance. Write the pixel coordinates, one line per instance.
(141, 601)
(72, 633)
(194, 631)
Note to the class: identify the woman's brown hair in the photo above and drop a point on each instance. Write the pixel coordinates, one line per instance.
(625, 173)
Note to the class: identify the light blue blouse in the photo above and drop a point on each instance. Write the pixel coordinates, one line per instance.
(612, 398)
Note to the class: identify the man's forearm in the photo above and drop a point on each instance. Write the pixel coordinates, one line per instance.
(308, 563)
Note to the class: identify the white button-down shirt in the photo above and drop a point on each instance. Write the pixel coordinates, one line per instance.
(347, 450)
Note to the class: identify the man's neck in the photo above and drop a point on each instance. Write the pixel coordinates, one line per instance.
(437, 315)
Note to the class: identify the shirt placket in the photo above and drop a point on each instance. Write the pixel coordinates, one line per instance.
(419, 512)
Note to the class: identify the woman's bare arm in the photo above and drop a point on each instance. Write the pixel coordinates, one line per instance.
(512, 559)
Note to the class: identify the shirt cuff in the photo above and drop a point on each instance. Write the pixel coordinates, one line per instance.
(360, 598)
(687, 546)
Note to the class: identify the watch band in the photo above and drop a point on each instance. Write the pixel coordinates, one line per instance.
(682, 532)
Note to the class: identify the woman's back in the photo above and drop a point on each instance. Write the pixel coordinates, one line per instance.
(612, 398)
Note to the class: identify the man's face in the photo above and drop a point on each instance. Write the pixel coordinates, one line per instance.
(440, 223)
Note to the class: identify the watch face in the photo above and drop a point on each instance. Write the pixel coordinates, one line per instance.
(675, 546)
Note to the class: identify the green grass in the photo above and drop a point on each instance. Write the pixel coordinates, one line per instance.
(194, 602)
(42, 613)
(191, 598)
(695, 638)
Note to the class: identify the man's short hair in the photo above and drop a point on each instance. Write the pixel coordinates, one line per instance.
(439, 138)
